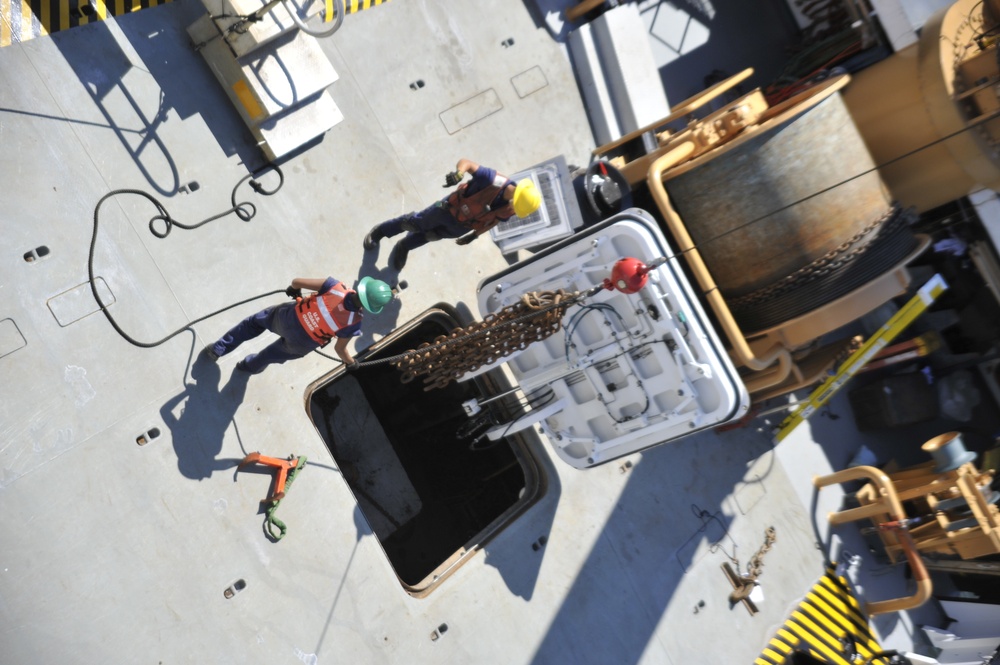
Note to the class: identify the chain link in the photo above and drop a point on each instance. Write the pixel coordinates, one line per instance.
(536, 316)
(829, 263)
(754, 568)
(757, 561)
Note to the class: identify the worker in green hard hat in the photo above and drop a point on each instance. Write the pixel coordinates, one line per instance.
(333, 311)
(471, 210)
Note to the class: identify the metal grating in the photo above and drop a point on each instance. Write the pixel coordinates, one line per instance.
(515, 226)
(550, 222)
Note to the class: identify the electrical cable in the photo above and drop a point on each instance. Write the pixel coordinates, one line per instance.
(605, 307)
(814, 76)
(487, 417)
(645, 408)
(529, 403)
(632, 349)
(472, 425)
(813, 59)
(245, 211)
(622, 421)
(575, 320)
(242, 25)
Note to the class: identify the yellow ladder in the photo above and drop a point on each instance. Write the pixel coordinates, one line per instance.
(917, 305)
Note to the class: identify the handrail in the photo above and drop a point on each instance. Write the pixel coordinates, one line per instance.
(887, 502)
(917, 567)
(678, 111)
(336, 5)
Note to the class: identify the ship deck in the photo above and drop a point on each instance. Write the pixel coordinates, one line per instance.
(118, 552)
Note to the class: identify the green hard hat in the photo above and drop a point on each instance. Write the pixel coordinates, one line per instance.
(374, 293)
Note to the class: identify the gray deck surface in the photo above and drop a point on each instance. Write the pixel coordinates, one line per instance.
(112, 552)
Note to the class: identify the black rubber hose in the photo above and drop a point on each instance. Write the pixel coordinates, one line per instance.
(244, 211)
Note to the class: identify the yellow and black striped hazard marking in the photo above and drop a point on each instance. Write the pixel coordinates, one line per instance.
(355, 6)
(351, 7)
(827, 618)
(21, 20)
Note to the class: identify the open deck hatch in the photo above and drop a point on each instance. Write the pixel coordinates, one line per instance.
(429, 497)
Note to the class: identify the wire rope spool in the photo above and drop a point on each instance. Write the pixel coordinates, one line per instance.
(929, 113)
(792, 215)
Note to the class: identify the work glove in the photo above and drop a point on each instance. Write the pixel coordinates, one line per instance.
(466, 239)
(353, 367)
(453, 178)
(293, 293)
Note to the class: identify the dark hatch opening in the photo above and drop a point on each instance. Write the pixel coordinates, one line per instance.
(429, 499)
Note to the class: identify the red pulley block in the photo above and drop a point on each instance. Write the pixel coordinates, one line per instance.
(629, 275)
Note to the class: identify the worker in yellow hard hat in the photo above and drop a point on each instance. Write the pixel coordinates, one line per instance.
(474, 208)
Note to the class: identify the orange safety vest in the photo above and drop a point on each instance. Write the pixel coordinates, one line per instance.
(474, 210)
(323, 315)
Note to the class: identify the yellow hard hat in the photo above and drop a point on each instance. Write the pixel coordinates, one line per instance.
(527, 198)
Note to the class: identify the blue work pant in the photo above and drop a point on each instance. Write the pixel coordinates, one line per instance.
(432, 223)
(294, 341)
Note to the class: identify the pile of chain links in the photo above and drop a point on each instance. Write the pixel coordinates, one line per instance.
(536, 316)
(754, 568)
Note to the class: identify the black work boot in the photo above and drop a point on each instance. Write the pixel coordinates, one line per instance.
(371, 240)
(399, 256)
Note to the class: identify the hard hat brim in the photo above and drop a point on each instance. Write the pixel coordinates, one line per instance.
(363, 295)
(527, 199)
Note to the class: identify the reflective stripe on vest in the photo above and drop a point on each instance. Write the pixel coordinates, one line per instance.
(323, 315)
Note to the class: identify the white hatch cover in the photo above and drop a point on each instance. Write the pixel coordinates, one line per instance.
(626, 371)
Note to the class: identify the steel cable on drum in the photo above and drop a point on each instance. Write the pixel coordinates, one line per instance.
(887, 243)
(838, 257)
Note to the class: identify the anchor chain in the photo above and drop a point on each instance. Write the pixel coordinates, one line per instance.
(754, 568)
(536, 316)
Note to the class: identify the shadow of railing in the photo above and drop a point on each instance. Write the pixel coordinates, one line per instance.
(125, 63)
(669, 515)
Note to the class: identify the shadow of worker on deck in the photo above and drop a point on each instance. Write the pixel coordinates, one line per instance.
(199, 416)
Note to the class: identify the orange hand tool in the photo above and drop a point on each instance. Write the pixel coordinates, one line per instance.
(284, 466)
